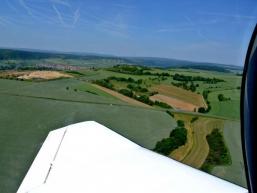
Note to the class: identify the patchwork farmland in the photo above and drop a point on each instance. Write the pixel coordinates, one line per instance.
(144, 104)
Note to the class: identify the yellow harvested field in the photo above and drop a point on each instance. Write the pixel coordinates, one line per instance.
(174, 102)
(196, 149)
(46, 75)
(180, 94)
(122, 97)
(200, 149)
(180, 153)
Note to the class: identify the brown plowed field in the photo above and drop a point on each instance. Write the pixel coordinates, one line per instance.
(174, 102)
(29, 75)
(47, 75)
(184, 97)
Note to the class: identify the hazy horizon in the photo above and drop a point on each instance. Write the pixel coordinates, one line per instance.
(213, 32)
(107, 55)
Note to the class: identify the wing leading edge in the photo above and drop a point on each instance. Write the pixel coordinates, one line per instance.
(88, 157)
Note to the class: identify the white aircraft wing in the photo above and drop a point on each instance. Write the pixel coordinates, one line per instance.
(90, 158)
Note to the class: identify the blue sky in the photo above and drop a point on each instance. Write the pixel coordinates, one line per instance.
(211, 31)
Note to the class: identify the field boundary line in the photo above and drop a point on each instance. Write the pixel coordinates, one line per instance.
(125, 105)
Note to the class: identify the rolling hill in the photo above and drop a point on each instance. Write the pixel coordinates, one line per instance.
(96, 60)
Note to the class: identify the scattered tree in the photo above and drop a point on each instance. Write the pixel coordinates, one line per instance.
(221, 97)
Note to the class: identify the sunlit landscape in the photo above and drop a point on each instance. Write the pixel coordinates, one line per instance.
(166, 75)
(184, 112)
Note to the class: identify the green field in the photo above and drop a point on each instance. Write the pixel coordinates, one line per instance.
(26, 121)
(235, 172)
(228, 109)
(30, 109)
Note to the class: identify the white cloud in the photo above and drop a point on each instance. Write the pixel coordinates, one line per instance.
(26, 7)
(59, 15)
(61, 2)
(76, 16)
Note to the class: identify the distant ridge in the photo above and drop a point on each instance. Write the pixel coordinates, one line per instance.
(29, 54)
(6, 54)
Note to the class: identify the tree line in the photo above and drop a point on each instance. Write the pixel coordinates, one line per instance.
(177, 138)
(221, 97)
(187, 78)
(136, 70)
(131, 90)
(205, 96)
(192, 87)
(218, 153)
